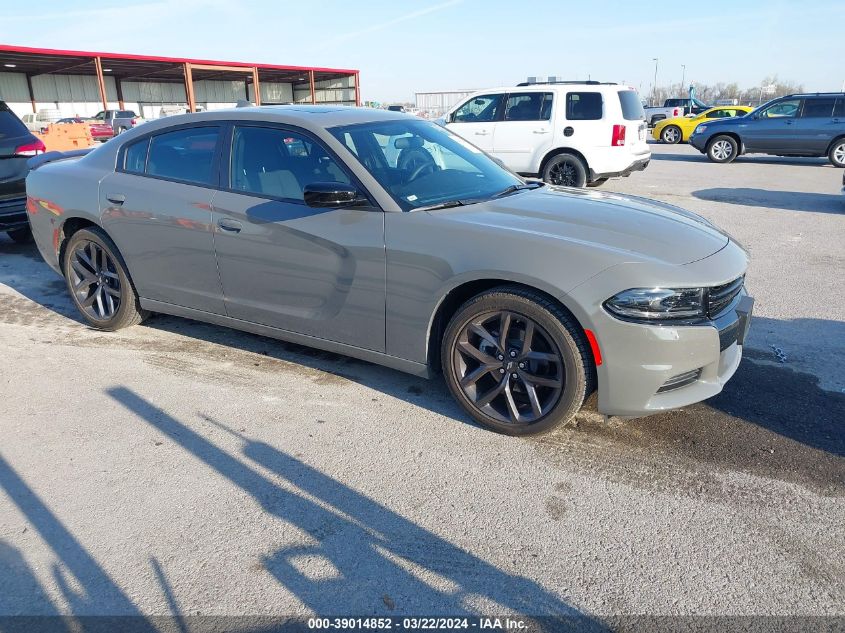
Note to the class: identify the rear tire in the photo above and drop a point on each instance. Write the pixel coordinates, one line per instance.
(836, 155)
(99, 282)
(671, 134)
(722, 149)
(20, 236)
(528, 381)
(565, 170)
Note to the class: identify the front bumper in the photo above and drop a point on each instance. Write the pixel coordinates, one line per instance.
(13, 213)
(640, 380)
(698, 141)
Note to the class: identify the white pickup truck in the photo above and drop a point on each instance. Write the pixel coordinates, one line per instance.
(672, 108)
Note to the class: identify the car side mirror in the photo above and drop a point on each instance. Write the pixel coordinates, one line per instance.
(322, 195)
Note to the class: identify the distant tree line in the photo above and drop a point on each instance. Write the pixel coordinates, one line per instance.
(710, 93)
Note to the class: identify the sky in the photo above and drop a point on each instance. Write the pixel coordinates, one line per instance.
(406, 47)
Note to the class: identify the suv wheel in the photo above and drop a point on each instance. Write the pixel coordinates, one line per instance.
(99, 283)
(671, 134)
(516, 362)
(722, 149)
(836, 155)
(21, 236)
(565, 170)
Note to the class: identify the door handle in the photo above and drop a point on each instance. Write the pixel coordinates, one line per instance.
(116, 198)
(789, 121)
(230, 226)
(481, 133)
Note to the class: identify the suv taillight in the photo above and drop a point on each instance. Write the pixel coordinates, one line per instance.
(618, 136)
(134, 121)
(31, 149)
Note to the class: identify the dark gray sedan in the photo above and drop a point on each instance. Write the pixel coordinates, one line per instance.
(388, 238)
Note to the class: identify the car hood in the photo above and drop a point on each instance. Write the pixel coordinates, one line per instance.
(629, 227)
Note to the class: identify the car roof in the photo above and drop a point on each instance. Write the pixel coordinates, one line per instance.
(560, 87)
(307, 116)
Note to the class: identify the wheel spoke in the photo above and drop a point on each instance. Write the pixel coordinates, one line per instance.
(110, 275)
(541, 381)
(531, 391)
(89, 301)
(495, 391)
(513, 411)
(83, 258)
(472, 377)
(541, 356)
(504, 328)
(481, 332)
(112, 292)
(470, 350)
(100, 308)
(109, 302)
(527, 339)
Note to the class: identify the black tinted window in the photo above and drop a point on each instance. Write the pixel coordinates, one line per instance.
(10, 124)
(478, 110)
(583, 106)
(815, 108)
(528, 106)
(632, 108)
(135, 158)
(279, 163)
(839, 108)
(184, 155)
(126, 114)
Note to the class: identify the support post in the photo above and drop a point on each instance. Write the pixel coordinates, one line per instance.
(101, 82)
(120, 93)
(31, 92)
(313, 88)
(256, 87)
(189, 88)
(357, 89)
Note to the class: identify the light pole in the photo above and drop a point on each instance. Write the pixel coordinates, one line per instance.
(683, 78)
(654, 85)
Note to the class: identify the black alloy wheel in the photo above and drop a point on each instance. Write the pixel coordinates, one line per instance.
(516, 361)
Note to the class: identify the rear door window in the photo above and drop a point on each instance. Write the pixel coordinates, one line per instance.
(584, 106)
(135, 157)
(529, 106)
(186, 155)
(839, 108)
(481, 109)
(818, 108)
(632, 108)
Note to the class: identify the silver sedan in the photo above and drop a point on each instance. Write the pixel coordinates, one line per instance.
(385, 237)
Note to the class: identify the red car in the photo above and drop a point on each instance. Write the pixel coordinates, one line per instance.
(99, 131)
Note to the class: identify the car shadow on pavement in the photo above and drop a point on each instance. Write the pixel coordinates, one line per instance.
(360, 557)
(788, 200)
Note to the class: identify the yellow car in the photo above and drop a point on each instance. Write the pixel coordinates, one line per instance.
(678, 129)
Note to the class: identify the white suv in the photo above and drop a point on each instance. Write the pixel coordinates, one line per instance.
(567, 133)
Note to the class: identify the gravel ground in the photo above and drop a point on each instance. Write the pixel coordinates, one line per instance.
(182, 468)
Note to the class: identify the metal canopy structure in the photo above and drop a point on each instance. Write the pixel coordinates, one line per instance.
(33, 62)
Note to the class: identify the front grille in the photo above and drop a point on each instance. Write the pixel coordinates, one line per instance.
(681, 380)
(720, 297)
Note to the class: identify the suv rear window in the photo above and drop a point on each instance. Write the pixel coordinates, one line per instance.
(126, 114)
(584, 106)
(10, 124)
(818, 108)
(632, 109)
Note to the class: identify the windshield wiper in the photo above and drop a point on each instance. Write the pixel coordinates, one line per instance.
(445, 205)
(513, 188)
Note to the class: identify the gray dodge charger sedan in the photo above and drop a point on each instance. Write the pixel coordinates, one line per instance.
(385, 237)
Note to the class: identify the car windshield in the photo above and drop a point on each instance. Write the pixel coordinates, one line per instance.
(421, 164)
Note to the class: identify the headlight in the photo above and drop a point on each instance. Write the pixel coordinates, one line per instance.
(699, 129)
(655, 304)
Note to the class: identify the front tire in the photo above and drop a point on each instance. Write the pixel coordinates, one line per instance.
(516, 361)
(565, 170)
(722, 149)
(836, 155)
(671, 134)
(20, 236)
(99, 282)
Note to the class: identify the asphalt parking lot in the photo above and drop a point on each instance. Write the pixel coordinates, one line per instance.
(178, 467)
